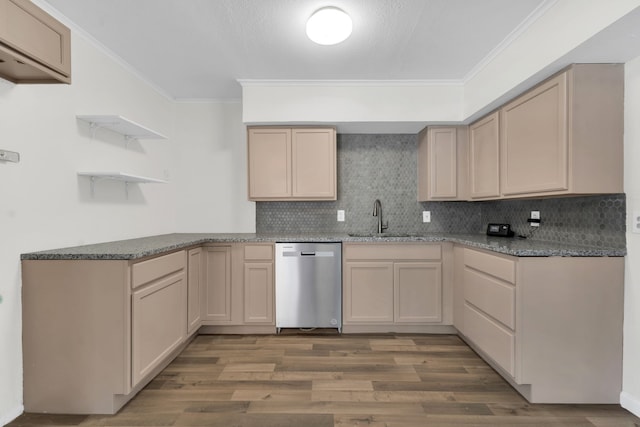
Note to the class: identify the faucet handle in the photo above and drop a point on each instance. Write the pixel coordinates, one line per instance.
(384, 226)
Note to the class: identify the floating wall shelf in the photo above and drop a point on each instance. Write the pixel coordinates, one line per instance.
(118, 124)
(119, 176)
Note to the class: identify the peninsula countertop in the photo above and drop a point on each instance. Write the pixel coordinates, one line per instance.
(142, 247)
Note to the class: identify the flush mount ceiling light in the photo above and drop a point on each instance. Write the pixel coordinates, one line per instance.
(329, 25)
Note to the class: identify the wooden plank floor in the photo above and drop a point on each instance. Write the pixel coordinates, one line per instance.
(294, 380)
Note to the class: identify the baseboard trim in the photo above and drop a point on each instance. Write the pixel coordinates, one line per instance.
(11, 415)
(630, 403)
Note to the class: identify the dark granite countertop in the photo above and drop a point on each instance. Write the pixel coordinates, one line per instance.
(147, 246)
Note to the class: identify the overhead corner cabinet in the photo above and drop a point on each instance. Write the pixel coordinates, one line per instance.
(484, 158)
(34, 47)
(442, 163)
(565, 136)
(292, 163)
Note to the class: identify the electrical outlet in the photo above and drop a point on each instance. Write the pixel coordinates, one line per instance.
(535, 215)
(340, 215)
(635, 222)
(426, 216)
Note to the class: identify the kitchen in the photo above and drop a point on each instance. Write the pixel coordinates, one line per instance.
(48, 205)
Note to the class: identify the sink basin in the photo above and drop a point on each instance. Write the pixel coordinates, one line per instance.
(379, 235)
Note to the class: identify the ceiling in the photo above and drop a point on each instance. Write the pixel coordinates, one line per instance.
(199, 49)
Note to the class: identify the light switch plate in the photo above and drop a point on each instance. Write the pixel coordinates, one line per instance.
(341, 215)
(426, 216)
(635, 222)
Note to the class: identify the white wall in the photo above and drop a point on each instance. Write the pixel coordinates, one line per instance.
(44, 204)
(356, 101)
(212, 170)
(630, 397)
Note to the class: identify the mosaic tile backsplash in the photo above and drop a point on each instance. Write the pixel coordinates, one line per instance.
(384, 167)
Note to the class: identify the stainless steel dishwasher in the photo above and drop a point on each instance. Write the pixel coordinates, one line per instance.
(308, 285)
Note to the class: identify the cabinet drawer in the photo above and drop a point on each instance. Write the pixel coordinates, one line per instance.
(493, 296)
(492, 338)
(258, 252)
(383, 251)
(155, 268)
(499, 267)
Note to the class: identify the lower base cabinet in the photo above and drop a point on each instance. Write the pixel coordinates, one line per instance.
(195, 282)
(238, 291)
(552, 326)
(158, 313)
(96, 331)
(395, 285)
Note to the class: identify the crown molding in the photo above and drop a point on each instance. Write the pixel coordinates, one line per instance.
(208, 100)
(349, 83)
(538, 12)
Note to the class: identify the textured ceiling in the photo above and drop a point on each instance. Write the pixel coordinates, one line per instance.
(198, 49)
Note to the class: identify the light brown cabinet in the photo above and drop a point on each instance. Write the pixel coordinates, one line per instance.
(34, 47)
(535, 140)
(96, 331)
(238, 292)
(442, 163)
(368, 292)
(417, 295)
(552, 326)
(159, 312)
(292, 164)
(484, 158)
(195, 282)
(565, 136)
(392, 284)
(216, 304)
(258, 284)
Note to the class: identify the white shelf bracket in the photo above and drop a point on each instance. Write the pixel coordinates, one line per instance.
(127, 139)
(93, 126)
(92, 185)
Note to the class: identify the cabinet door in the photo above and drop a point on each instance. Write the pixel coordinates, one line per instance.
(484, 158)
(258, 292)
(314, 163)
(534, 140)
(28, 30)
(216, 305)
(417, 292)
(158, 323)
(368, 292)
(269, 152)
(194, 289)
(437, 165)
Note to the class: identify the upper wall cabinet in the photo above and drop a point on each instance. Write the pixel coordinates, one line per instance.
(292, 164)
(34, 47)
(442, 163)
(565, 136)
(484, 158)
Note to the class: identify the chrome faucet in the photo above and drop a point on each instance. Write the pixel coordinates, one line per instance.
(377, 211)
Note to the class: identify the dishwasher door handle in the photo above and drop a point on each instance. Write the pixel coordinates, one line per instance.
(328, 254)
